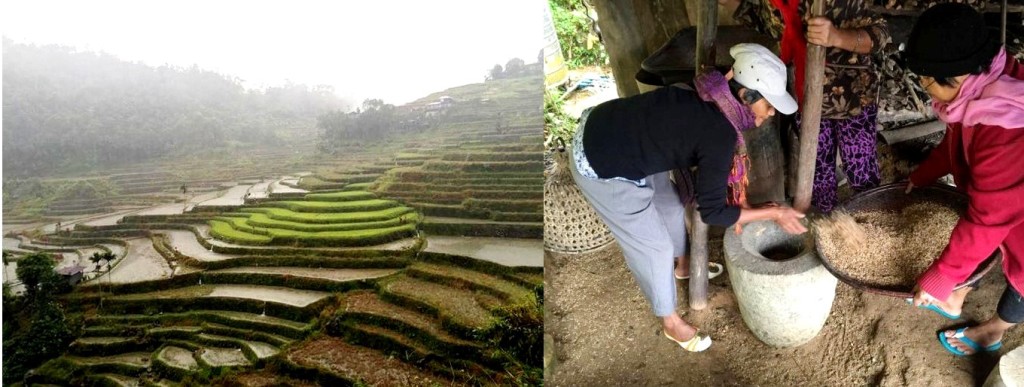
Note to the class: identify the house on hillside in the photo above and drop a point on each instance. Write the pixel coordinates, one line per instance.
(72, 274)
(440, 107)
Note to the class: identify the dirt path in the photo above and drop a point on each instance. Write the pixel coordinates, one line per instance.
(505, 251)
(604, 334)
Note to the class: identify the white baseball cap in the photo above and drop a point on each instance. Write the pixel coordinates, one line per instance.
(757, 68)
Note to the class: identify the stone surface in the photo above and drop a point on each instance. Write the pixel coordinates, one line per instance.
(784, 302)
(1010, 370)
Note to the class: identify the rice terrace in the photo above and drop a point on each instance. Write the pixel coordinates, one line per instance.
(407, 255)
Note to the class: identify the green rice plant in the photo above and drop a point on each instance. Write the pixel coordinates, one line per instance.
(312, 183)
(240, 224)
(357, 187)
(343, 238)
(352, 206)
(264, 221)
(223, 230)
(325, 218)
(341, 196)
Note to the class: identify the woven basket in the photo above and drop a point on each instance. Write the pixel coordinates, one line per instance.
(570, 224)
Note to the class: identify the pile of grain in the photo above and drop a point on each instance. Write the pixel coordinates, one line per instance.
(886, 247)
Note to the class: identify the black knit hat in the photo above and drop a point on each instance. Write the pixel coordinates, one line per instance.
(949, 40)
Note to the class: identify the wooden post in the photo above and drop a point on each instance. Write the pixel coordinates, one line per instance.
(707, 28)
(1002, 27)
(632, 30)
(767, 172)
(810, 124)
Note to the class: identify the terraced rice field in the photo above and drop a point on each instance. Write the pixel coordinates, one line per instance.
(328, 283)
(350, 218)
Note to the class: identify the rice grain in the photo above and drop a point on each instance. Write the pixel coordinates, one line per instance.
(887, 248)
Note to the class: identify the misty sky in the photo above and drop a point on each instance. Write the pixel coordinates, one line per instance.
(398, 50)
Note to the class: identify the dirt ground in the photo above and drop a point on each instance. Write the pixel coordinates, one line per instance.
(604, 334)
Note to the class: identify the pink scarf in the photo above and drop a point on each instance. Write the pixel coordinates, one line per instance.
(991, 98)
(713, 87)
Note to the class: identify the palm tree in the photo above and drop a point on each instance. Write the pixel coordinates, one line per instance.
(109, 257)
(96, 258)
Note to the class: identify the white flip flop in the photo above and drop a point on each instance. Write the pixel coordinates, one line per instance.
(714, 270)
(697, 343)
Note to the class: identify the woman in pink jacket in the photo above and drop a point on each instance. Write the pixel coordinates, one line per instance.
(978, 90)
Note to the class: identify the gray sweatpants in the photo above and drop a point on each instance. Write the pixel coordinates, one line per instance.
(650, 225)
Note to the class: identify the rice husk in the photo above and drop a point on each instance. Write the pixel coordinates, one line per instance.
(889, 248)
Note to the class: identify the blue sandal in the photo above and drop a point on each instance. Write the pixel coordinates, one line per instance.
(970, 343)
(936, 309)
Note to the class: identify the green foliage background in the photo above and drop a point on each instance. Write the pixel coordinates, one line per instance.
(573, 28)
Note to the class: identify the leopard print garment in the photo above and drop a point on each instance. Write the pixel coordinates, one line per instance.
(851, 80)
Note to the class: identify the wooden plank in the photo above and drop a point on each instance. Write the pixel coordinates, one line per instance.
(810, 124)
(905, 133)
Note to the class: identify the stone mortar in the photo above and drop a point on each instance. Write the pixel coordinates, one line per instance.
(784, 302)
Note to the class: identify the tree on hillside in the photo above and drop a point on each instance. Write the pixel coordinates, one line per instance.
(373, 120)
(34, 270)
(495, 73)
(515, 66)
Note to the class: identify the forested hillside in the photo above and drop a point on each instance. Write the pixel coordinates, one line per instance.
(67, 111)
